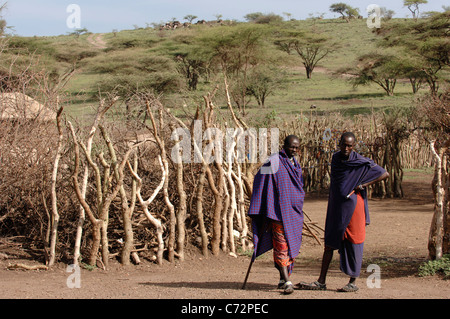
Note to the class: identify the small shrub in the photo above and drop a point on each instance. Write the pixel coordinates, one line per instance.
(432, 267)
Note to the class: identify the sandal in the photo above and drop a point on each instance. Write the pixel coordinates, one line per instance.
(288, 288)
(312, 286)
(348, 288)
(281, 284)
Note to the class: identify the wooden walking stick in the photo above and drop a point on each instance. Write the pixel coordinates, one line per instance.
(248, 272)
(254, 253)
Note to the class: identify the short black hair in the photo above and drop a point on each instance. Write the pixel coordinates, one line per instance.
(347, 134)
(289, 138)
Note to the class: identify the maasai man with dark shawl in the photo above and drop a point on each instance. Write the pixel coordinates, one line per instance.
(347, 213)
(276, 209)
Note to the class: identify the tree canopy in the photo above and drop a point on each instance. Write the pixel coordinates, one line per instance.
(427, 41)
(382, 69)
(311, 47)
(345, 10)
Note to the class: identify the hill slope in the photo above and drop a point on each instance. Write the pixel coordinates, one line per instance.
(132, 58)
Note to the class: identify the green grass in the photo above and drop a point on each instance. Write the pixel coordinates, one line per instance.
(128, 48)
(424, 170)
(354, 39)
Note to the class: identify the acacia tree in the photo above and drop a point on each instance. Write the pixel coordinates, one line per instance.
(427, 43)
(192, 63)
(252, 17)
(262, 82)
(125, 77)
(235, 51)
(413, 6)
(79, 32)
(190, 17)
(345, 10)
(384, 70)
(411, 69)
(192, 68)
(310, 46)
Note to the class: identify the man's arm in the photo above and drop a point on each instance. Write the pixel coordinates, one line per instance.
(379, 179)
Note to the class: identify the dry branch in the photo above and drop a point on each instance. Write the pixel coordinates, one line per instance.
(182, 208)
(146, 203)
(55, 215)
(128, 204)
(160, 141)
(101, 111)
(436, 234)
(27, 267)
(96, 223)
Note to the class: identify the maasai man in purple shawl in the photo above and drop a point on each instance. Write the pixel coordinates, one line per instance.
(276, 209)
(347, 213)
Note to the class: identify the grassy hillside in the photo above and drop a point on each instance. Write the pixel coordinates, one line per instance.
(137, 53)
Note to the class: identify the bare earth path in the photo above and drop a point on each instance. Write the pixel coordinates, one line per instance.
(97, 40)
(396, 242)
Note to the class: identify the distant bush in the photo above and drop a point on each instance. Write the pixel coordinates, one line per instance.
(74, 56)
(133, 41)
(144, 72)
(269, 18)
(261, 18)
(38, 46)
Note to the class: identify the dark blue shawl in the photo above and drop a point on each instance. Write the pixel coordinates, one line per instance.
(346, 175)
(278, 195)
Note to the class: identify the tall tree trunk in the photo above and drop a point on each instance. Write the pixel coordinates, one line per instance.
(309, 71)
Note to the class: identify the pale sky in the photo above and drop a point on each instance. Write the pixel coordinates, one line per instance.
(46, 18)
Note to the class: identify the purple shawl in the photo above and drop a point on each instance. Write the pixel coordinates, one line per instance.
(277, 195)
(346, 175)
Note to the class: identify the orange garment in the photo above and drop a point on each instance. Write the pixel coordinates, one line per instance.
(280, 245)
(356, 229)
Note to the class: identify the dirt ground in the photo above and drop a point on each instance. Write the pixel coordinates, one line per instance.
(396, 241)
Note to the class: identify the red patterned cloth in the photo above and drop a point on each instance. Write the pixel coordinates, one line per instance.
(280, 245)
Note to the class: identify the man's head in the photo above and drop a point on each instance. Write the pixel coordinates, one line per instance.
(291, 145)
(347, 143)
